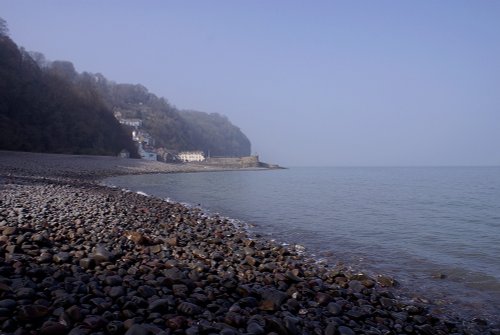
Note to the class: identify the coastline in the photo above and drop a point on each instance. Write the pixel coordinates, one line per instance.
(80, 258)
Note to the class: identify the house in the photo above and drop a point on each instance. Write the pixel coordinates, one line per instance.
(131, 122)
(192, 156)
(124, 154)
(167, 156)
(146, 154)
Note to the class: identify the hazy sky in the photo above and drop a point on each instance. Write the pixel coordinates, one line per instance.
(309, 82)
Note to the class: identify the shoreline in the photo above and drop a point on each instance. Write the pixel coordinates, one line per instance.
(443, 296)
(78, 257)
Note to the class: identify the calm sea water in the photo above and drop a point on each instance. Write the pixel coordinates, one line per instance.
(416, 224)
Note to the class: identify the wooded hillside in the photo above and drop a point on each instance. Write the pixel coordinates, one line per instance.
(41, 111)
(50, 107)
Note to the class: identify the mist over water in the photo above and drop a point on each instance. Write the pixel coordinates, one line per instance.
(416, 224)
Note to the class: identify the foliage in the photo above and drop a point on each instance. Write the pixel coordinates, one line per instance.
(50, 107)
(172, 128)
(214, 134)
(4, 29)
(47, 110)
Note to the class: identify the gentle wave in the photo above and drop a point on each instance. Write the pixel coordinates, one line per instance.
(435, 229)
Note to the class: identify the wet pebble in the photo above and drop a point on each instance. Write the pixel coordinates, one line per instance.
(79, 258)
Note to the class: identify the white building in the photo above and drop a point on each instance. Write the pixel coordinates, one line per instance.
(142, 137)
(131, 122)
(124, 154)
(192, 156)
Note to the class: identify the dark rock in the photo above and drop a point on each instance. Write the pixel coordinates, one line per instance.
(32, 312)
(291, 325)
(137, 330)
(113, 280)
(271, 299)
(189, 308)
(40, 239)
(274, 324)
(61, 257)
(94, 322)
(79, 330)
(74, 313)
(292, 276)
(7, 231)
(344, 330)
(233, 319)
(330, 329)
(199, 253)
(115, 327)
(173, 274)
(25, 293)
(255, 329)
(172, 241)
(355, 313)
(8, 303)
(13, 248)
(146, 291)
(155, 248)
(386, 302)
(248, 302)
(87, 263)
(53, 328)
(116, 291)
(228, 331)
(356, 286)
(159, 305)
(323, 298)
(176, 322)
(194, 330)
(179, 290)
(251, 261)
(334, 308)
(368, 283)
(101, 254)
(386, 281)
(425, 329)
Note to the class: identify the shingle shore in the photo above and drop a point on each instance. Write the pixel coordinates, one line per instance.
(80, 258)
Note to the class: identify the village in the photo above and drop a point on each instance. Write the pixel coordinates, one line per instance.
(147, 150)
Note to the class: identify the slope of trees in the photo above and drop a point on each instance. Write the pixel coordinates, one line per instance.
(172, 128)
(44, 111)
(50, 107)
(214, 134)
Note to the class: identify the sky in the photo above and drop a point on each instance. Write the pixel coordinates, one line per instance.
(311, 83)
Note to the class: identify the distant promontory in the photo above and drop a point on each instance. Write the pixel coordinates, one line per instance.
(47, 106)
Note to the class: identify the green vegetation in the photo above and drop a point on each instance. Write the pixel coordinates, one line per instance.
(214, 134)
(172, 128)
(42, 111)
(49, 107)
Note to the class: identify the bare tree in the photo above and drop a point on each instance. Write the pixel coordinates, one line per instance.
(4, 29)
(39, 58)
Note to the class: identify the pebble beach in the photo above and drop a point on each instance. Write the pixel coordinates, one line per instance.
(77, 258)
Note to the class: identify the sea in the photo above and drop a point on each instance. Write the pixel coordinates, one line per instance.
(436, 230)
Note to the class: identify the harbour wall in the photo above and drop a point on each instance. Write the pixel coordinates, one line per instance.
(233, 162)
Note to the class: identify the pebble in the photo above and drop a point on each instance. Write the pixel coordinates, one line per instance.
(79, 258)
(334, 308)
(343, 330)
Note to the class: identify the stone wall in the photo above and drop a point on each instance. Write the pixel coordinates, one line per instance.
(233, 162)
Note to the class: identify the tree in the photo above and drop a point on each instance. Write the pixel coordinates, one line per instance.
(64, 69)
(53, 109)
(39, 58)
(4, 29)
